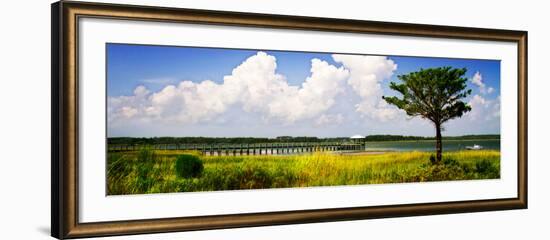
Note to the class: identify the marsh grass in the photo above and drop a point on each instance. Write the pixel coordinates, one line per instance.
(156, 171)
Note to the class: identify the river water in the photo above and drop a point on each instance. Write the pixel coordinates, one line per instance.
(429, 145)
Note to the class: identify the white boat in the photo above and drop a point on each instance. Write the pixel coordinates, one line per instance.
(475, 147)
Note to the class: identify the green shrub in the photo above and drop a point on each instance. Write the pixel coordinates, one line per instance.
(450, 169)
(440, 172)
(450, 162)
(486, 168)
(483, 166)
(432, 159)
(189, 166)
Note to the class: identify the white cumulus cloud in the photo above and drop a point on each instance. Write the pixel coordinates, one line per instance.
(366, 76)
(477, 80)
(254, 85)
(345, 95)
(125, 107)
(483, 109)
(327, 119)
(316, 95)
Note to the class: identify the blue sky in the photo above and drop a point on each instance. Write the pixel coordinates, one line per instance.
(133, 65)
(146, 96)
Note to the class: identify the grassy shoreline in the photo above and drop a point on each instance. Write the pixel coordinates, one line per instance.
(154, 171)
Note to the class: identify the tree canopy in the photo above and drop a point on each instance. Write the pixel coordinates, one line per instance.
(435, 94)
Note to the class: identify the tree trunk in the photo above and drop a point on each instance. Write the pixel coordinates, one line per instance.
(438, 144)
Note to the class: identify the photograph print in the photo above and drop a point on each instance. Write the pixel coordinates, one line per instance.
(194, 119)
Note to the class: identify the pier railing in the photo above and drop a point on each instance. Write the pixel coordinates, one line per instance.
(246, 149)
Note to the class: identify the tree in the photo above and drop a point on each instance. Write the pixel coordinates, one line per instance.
(434, 94)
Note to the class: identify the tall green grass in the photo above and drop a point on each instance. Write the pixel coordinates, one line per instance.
(151, 171)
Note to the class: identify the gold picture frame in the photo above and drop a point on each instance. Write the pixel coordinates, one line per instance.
(65, 124)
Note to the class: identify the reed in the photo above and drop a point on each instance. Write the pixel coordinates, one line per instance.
(157, 171)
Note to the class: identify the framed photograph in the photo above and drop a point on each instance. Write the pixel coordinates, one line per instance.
(168, 119)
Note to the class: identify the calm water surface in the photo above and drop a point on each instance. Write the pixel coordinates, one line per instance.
(429, 145)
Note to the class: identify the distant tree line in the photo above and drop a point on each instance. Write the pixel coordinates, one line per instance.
(244, 140)
(377, 138)
(214, 140)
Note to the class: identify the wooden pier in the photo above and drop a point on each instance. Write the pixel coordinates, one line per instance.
(247, 149)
